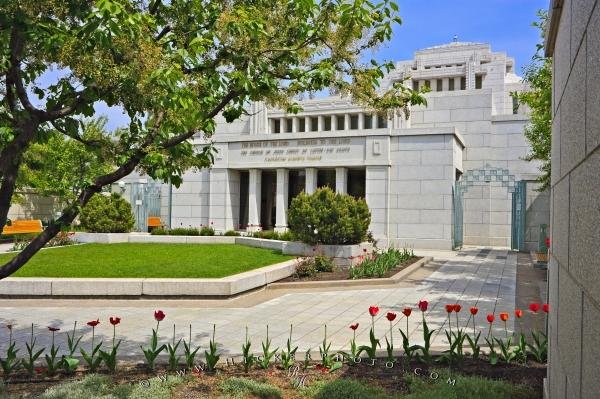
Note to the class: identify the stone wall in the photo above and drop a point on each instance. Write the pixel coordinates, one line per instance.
(574, 270)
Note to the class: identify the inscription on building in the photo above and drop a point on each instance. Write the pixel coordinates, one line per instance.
(300, 150)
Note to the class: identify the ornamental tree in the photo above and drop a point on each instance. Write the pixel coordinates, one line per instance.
(173, 66)
(538, 132)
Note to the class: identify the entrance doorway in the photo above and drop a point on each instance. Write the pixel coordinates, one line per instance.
(473, 199)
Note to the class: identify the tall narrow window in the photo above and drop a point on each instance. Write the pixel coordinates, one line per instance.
(515, 105)
(353, 122)
(327, 123)
(314, 123)
(439, 85)
(463, 83)
(275, 126)
(381, 121)
(478, 81)
(289, 123)
(341, 119)
(451, 84)
(368, 121)
(301, 124)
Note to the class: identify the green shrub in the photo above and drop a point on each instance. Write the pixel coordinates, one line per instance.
(326, 217)
(184, 231)
(107, 214)
(231, 233)
(159, 231)
(207, 231)
(286, 236)
(380, 263)
(243, 387)
(323, 263)
(305, 268)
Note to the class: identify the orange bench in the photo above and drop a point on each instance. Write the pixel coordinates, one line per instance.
(154, 221)
(23, 227)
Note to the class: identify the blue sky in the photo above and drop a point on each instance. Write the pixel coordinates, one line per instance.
(505, 24)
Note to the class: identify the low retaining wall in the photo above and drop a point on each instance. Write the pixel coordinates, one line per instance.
(137, 287)
(342, 255)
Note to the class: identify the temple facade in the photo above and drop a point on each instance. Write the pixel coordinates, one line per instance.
(451, 174)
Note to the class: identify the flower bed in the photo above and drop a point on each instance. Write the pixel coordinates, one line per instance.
(405, 368)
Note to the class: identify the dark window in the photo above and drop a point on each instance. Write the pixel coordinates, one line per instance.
(301, 124)
(381, 122)
(353, 122)
(276, 126)
(340, 122)
(314, 123)
(326, 178)
(415, 84)
(515, 105)
(327, 123)
(478, 81)
(289, 125)
(463, 83)
(368, 121)
(451, 84)
(439, 85)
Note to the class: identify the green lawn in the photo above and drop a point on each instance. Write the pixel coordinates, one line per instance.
(147, 260)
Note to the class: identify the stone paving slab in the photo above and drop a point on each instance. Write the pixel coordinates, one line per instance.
(464, 277)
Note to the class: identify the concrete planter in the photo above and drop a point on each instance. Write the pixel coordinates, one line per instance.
(113, 238)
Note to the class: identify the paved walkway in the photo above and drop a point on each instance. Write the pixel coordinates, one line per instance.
(474, 277)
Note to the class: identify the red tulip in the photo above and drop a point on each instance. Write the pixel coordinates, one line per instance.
(390, 316)
(490, 318)
(423, 305)
(53, 329)
(503, 316)
(407, 311)
(449, 308)
(518, 313)
(115, 320)
(547, 242)
(473, 310)
(159, 315)
(93, 323)
(354, 326)
(534, 307)
(546, 308)
(373, 310)
(457, 307)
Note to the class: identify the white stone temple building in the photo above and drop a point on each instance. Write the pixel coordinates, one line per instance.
(450, 174)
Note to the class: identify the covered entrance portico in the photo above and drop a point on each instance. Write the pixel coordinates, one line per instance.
(265, 194)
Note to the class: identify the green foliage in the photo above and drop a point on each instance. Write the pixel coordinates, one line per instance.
(32, 354)
(345, 388)
(323, 263)
(153, 350)
(539, 347)
(61, 166)
(423, 387)
(273, 235)
(10, 363)
(326, 217)
(107, 214)
(248, 356)
(188, 352)
(172, 351)
(288, 354)
(212, 356)
(207, 231)
(159, 231)
(380, 263)
(305, 268)
(100, 386)
(243, 387)
(267, 353)
(231, 233)
(538, 98)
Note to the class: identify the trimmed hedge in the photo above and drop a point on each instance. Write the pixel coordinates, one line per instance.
(107, 214)
(329, 218)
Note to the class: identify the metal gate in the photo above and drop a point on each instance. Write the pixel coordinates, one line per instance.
(518, 216)
(457, 216)
(145, 202)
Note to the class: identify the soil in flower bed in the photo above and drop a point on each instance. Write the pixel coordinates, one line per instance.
(343, 274)
(397, 380)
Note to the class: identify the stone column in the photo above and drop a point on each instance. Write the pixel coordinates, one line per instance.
(457, 83)
(334, 122)
(445, 84)
(294, 124)
(282, 125)
(254, 199)
(310, 180)
(361, 121)
(346, 121)
(281, 205)
(341, 180)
